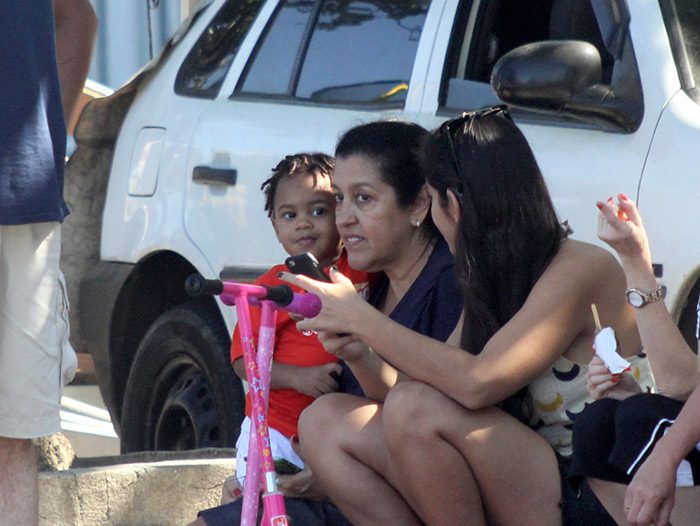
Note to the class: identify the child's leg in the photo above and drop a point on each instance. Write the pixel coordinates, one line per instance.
(242, 451)
(457, 466)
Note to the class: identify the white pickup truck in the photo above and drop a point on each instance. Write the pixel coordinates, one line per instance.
(604, 90)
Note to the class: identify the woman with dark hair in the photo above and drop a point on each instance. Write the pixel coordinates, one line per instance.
(482, 436)
(383, 218)
(639, 450)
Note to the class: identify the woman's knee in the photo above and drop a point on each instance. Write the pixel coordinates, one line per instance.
(410, 408)
(334, 418)
(323, 410)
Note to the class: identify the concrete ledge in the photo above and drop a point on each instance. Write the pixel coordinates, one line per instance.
(165, 493)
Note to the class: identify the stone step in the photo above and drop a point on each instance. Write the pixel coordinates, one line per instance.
(128, 493)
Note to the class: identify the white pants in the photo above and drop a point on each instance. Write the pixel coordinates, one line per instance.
(281, 448)
(36, 359)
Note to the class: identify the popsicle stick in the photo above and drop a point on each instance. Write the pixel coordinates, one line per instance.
(595, 316)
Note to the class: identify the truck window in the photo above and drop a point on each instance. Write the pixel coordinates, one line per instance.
(338, 52)
(682, 19)
(207, 63)
(485, 30)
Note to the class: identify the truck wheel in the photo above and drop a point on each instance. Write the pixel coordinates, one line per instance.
(182, 391)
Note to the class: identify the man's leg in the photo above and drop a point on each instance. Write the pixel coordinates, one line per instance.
(19, 493)
(35, 359)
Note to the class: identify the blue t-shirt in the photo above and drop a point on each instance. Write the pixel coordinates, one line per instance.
(32, 125)
(432, 306)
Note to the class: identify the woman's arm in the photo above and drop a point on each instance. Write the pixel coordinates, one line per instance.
(676, 368)
(555, 314)
(375, 376)
(651, 493)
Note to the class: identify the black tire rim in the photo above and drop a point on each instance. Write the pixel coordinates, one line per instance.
(187, 417)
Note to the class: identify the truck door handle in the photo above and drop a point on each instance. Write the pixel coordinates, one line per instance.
(218, 176)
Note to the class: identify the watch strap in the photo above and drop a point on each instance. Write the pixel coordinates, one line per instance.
(647, 297)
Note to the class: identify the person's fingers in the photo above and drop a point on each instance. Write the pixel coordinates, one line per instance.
(645, 515)
(663, 517)
(300, 280)
(333, 367)
(307, 324)
(600, 389)
(601, 378)
(609, 211)
(296, 446)
(597, 370)
(231, 490)
(596, 361)
(337, 276)
(629, 208)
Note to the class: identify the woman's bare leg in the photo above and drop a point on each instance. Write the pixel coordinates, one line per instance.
(342, 440)
(457, 466)
(611, 495)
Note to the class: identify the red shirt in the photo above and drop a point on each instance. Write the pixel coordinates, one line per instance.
(292, 347)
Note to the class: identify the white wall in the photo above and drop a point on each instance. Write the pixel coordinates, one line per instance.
(123, 42)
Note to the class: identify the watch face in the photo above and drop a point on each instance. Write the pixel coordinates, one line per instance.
(635, 298)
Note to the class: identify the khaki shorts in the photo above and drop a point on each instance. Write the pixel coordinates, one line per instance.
(36, 359)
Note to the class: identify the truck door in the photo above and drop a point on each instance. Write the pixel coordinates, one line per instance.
(307, 72)
(582, 161)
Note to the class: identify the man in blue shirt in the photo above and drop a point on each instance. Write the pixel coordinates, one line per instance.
(45, 52)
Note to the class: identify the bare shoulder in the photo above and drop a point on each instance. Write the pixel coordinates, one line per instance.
(586, 264)
(592, 275)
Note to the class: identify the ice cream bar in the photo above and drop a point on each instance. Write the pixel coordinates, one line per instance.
(606, 348)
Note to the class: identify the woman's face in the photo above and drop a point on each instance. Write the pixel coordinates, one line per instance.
(375, 231)
(444, 217)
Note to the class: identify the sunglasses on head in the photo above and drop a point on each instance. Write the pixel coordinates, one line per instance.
(449, 128)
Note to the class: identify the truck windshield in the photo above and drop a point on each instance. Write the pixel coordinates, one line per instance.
(683, 25)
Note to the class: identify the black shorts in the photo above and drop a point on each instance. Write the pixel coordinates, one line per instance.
(302, 512)
(612, 438)
(579, 505)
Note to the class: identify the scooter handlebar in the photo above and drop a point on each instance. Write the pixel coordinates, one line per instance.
(307, 305)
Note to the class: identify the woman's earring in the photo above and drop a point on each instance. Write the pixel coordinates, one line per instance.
(417, 222)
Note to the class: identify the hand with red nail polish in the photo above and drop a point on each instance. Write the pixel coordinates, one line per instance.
(231, 491)
(602, 384)
(620, 226)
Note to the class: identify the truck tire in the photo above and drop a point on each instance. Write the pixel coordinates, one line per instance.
(182, 391)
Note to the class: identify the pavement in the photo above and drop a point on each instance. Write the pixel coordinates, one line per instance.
(104, 488)
(86, 422)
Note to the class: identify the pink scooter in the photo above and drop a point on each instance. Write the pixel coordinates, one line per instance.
(260, 462)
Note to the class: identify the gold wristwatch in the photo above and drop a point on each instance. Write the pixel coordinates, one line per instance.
(638, 299)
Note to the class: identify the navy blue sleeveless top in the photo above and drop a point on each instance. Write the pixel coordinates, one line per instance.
(32, 125)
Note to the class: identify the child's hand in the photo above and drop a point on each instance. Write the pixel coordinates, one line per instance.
(302, 485)
(318, 380)
(601, 384)
(231, 490)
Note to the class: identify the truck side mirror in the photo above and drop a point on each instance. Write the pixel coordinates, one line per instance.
(546, 75)
(564, 77)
